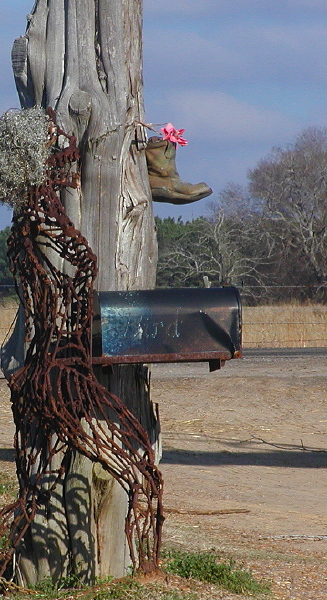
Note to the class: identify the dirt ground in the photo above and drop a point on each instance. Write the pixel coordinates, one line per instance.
(250, 438)
(244, 463)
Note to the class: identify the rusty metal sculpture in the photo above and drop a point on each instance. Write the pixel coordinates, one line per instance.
(56, 392)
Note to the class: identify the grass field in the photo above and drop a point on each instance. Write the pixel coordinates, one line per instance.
(289, 325)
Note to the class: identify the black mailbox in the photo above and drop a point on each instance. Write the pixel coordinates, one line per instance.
(167, 325)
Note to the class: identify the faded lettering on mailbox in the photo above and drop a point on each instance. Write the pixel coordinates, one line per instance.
(170, 322)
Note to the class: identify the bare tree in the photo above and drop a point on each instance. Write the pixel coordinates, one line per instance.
(291, 184)
(281, 217)
(83, 58)
(220, 248)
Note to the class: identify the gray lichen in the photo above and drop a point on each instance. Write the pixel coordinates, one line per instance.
(23, 152)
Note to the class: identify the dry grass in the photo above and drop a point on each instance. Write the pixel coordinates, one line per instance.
(8, 310)
(289, 325)
(277, 326)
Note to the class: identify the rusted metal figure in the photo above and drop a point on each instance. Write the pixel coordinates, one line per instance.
(57, 402)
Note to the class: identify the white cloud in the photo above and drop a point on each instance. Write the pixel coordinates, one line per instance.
(185, 7)
(203, 7)
(228, 8)
(219, 116)
(180, 55)
(239, 75)
(176, 57)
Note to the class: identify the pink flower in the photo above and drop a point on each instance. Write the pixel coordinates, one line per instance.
(174, 135)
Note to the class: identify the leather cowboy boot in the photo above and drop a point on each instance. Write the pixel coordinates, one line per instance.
(166, 185)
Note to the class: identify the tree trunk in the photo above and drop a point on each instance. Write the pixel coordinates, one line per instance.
(84, 59)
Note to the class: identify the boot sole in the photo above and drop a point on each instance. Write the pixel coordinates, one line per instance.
(164, 195)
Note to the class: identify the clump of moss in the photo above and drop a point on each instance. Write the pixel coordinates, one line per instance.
(23, 152)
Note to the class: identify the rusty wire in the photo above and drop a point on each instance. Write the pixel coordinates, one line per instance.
(56, 392)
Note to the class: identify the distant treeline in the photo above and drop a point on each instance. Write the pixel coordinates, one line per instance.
(268, 238)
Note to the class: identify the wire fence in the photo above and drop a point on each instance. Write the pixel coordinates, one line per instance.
(282, 325)
(285, 326)
(256, 295)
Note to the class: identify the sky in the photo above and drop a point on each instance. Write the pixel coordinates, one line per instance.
(240, 76)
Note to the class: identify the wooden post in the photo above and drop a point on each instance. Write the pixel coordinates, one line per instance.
(84, 59)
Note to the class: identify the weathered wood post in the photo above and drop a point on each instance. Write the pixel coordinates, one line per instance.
(83, 58)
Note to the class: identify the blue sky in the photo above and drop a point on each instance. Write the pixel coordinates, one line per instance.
(241, 76)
